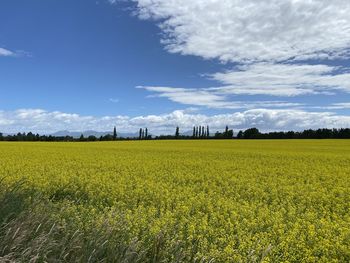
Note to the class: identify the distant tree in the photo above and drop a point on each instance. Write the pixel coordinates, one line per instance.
(177, 132)
(114, 133)
(146, 133)
(30, 137)
(140, 134)
(80, 139)
(20, 137)
(229, 134)
(208, 134)
(197, 132)
(107, 137)
(252, 133)
(92, 138)
(219, 135)
(1, 137)
(226, 132)
(240, 135)
(194, 132)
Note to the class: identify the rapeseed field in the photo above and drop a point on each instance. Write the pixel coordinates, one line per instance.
(175, 201)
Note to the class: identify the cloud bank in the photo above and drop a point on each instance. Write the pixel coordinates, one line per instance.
(46, 122)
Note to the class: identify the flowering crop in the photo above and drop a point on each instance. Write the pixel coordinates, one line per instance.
(187, 201)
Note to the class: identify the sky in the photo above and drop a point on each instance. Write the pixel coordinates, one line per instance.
(94, 64)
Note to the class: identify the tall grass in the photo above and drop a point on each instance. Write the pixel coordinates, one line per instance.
(35, 229)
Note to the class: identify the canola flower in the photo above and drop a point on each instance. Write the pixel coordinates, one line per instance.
(185, 201)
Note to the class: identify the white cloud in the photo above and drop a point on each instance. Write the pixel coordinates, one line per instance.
(336, 106)
(212, 98)
(6, 52)
(41, 121)
(266, 38)
(114, 100)
(250, 30)
(284, 79)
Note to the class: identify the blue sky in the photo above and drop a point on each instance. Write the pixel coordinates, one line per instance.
(84, 64)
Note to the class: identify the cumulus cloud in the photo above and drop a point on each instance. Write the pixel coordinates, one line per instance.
(270, 41)
(6, 53)
(45, 122)
(250, 30)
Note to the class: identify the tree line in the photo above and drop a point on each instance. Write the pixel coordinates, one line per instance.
(254, 133)
(199, 132)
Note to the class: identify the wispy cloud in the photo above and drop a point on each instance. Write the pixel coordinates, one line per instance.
(335, 106)
(211, 98)
(6, 53)
(284, 79)
(114, 100)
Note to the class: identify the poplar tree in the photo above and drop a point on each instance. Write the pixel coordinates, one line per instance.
(115, 133)
(140, 134)
(177, 132)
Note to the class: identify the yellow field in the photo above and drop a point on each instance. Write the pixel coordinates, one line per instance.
(181, 201)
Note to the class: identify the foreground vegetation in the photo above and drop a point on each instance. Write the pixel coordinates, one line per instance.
(175, 201)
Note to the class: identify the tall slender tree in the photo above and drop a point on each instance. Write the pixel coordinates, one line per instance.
(146, 133)
(194, 132)
(197, 132)
(208, 134)
(114, 133)
(177, 132)
(226, 132)
(140, 134)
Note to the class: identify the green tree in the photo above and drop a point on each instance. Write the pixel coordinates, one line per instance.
(92, 138)
(226, 132)
(177, 132)
(140, 134)
(252, 133)
(114, 133)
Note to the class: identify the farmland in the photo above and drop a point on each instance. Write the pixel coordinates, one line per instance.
(176, 201)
